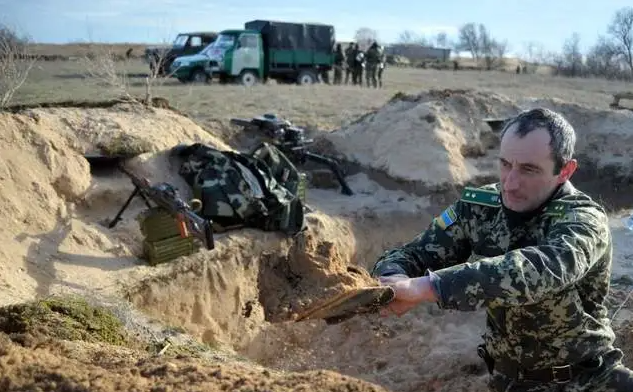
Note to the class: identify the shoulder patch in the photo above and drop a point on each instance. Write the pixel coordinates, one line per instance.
(446, 218)
(482, 197)
(555, 208)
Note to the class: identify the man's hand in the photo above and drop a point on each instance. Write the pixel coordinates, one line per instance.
(409, 293)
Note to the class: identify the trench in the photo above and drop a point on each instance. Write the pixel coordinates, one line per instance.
(234, 298)
(231, 301)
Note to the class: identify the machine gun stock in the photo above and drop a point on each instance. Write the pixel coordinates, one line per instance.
(167, 197)
(292, 142)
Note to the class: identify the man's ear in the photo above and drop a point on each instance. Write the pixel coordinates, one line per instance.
(567, 171)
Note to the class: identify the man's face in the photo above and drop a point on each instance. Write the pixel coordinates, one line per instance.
(527, 169)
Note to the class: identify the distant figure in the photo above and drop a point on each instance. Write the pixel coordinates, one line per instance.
(349, 57)
(339, 63)
(382, 64)
(372, 59)
(359, 64)
(128, 53)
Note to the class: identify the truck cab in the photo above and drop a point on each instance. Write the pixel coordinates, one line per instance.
(263, 50)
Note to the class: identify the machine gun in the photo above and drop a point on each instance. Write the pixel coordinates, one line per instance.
(167, 197)
(291, 140)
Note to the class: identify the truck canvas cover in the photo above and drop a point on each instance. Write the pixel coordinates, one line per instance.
(295, 36)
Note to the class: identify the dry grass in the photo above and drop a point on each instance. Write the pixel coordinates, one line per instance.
(82, 49)
(322, 106)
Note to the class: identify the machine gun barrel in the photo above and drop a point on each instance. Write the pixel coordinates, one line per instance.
(333, 166)
(242, 122)
(167, 197)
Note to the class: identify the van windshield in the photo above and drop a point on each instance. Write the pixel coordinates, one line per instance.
(224, 41)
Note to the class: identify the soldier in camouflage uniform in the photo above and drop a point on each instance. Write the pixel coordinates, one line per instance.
(358, 64)
(339, 63)
(536, 253)
(382, 64)
(372, 59)
(349, 57)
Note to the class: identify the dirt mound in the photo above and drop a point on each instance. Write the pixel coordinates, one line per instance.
(432, 138)
(51, 203)
(71, 356)
(440, 139)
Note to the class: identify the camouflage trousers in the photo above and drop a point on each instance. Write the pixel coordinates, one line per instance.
(371, 75)
(610, 376)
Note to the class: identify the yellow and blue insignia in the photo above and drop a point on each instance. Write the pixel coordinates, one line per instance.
(446, 218)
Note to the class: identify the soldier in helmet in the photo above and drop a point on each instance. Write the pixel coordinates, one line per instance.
(536, 253)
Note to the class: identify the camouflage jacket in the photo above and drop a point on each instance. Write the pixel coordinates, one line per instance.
(373, 56)
(542, 281)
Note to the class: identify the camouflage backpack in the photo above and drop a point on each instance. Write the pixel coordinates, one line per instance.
(258, 189)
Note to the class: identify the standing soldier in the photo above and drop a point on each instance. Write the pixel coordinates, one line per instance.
(359, 64)
(373, 60)
(339, 63)
(382, 64)
(349, 57)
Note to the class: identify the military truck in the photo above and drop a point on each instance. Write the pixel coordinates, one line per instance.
(184, 44)
(286, 52)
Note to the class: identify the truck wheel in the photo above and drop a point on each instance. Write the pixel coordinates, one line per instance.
(199, 76)
(248, 78)
(306, 77)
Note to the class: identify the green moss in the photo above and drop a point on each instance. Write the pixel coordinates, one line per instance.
(188, 349)
(65, 318)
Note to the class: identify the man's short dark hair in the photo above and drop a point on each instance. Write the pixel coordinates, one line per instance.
(563, 136)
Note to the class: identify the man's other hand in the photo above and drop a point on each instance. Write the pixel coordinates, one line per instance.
(409, 293)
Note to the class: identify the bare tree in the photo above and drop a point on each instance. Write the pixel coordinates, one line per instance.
(102, 64)
(111, 71)
(492, 51)
(572, 56)
(441, 39)
(621, 28)
(603, 59)
(16, 62)
(407, 37)
(468, 40)
(365, 37)
(534, 52)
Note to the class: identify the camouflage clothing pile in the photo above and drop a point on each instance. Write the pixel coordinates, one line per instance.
(542, 278)
(256, 190)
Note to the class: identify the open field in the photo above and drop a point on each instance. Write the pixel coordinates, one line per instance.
(326, 107)
(215, 321)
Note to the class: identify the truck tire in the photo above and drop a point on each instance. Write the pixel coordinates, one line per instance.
(307, 76)
(199, 76)
(248, 78)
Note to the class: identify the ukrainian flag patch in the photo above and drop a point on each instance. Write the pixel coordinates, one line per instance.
(446, 218)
